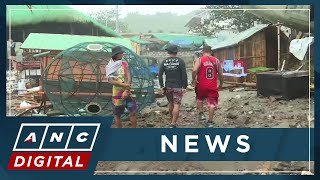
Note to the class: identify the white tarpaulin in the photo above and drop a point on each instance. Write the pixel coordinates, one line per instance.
(299, 47)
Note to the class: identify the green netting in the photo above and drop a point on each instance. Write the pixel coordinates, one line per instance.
(259, 69)
(76, 79)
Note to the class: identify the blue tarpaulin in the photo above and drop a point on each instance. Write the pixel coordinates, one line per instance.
(154, 69)
(181, 43)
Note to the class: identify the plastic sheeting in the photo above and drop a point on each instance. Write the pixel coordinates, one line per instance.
(299, 47)
(181, 43)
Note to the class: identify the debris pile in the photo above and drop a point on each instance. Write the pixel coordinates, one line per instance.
(22, 101)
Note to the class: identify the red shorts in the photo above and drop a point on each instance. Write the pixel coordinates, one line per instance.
(174, 95)
(210, 95)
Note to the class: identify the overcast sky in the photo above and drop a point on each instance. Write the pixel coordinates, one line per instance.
(142, 9)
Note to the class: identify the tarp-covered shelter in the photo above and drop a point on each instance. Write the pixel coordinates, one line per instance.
(153, 42)
(180, 39)
(294, 16)
(56, 19)
(297, 17)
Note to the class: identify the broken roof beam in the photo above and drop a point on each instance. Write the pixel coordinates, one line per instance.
(41, 54)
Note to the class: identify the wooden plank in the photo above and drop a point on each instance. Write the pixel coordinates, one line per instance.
(299, 35)
(258, 49)
(24, 112)
(238, 47)
(244, 50)
(236, 52)
(32, 107)
(31, 102)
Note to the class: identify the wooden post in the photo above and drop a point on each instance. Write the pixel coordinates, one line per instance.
(278, 27)
(23, 35)
(71, 29)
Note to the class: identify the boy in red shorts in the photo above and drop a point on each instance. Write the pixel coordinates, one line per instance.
(207, 70)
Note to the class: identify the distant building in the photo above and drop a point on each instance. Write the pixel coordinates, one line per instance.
(153, 44)
(23, 20)
(140, 46)
(188, 44)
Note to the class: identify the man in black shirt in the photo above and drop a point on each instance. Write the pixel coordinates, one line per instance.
(176, 81)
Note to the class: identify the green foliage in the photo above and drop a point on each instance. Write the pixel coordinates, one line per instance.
(228, 18)
(259, 69)
(108, 18)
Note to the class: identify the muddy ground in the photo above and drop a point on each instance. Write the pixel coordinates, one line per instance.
(202, 168)
(236, 109)
(242, 109)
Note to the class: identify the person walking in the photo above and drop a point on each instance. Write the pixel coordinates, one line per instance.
(176, 82)
(205, 74)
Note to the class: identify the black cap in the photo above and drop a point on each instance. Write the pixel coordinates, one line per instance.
(116, 50)
(172, 48)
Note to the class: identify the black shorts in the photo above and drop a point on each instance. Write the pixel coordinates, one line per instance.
(129, 103)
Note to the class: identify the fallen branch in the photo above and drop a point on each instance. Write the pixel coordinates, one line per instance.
(22, 113)
(242, 84)
(30, 109)
(250, 90)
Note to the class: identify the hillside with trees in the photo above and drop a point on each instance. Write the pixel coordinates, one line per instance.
(157, 23)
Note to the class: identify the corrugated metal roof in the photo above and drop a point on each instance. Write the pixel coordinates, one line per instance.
(211, 42)
(221, 36)
(197, 40)
(136, 39)
(234, 40)
(20, 15)
(62, 42)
